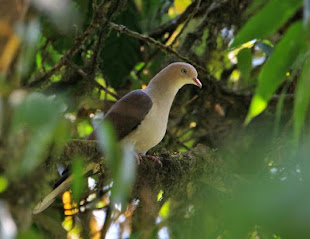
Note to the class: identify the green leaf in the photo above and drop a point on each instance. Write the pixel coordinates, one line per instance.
(3, 183)
(121, 53)
(255, 5)
(108, 143)
(121, 162)
(267, 21)
(124, 176)
(302, 98)
(78, 183)
(149, 12)
(29, 233)
(245, 63)
(274, 71)
(36, 118)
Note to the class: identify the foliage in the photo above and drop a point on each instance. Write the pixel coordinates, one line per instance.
(64, 63)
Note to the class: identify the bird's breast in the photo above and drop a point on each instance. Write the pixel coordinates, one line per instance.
(151, 130)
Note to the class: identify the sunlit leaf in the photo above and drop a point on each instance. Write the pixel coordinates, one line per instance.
(274, 71)
(3, 183)
(84, 128)
(181, 5)
(267, 21)
(302, 97)
(164, 211)
(245, 62)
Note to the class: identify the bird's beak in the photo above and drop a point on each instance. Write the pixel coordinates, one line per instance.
(197, 82)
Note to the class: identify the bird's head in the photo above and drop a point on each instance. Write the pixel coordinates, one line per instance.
(179, 74)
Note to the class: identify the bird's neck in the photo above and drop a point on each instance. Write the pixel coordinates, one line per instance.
(162, 94)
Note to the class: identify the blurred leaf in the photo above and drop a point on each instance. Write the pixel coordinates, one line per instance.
(59, 41)
(122, 166)
(121, 53)
(302, 97)
(124, 177)
(274, 71)
(30, 35)
(30, 233)
(3, 183)
(278, 207)
(106, 136)
(181, 5)
(36, 110)
(150, 13)
(279, 109)
(255, 5)
(37, 116)
(84, 128)
(245, 63)
(61, 13)
(267, 21)
(78, 184)
(164, 211)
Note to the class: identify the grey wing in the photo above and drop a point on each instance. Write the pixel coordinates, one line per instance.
(128, 112)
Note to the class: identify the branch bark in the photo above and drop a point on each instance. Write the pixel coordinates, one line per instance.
(178, 171)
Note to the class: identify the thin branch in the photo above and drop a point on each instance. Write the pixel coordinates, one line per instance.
(190, 16)
(177, 141)
(108, 91)
(76, 47)
(76, 68)
(150, 40)
(191, 38)
(195, 97)
(97, 49)
(172, 24)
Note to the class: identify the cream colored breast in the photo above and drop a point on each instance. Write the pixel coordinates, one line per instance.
(150, 132)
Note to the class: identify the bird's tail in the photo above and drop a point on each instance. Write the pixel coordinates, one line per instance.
(65, 185)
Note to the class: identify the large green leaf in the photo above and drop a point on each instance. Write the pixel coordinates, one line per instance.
(149, 11)
(274, 71)
(120, 53)
(267, 21)
(302, 97)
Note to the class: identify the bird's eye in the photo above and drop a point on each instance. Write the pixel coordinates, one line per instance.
(184, 71)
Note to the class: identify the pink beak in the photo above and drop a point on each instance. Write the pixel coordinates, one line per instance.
(198, 83)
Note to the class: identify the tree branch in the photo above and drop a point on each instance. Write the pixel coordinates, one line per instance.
(77, 46)
(171, 25)
(150, 40)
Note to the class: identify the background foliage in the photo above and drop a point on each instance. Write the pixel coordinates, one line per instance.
(64, 63)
